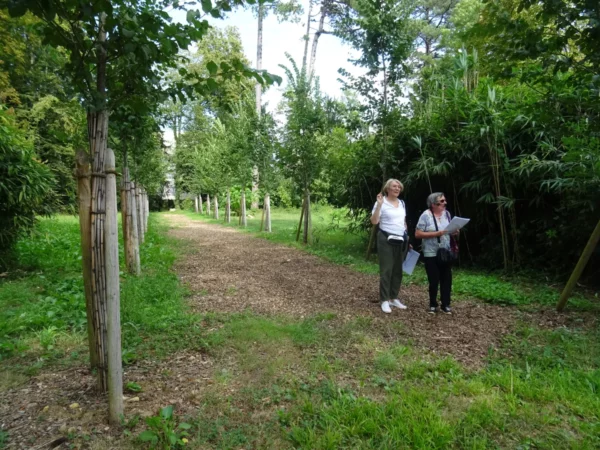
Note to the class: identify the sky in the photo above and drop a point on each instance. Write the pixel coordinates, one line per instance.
(279, 38)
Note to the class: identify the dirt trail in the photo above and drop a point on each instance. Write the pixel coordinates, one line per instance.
(229, 271)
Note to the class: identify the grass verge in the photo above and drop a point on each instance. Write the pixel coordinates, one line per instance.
(43, 305)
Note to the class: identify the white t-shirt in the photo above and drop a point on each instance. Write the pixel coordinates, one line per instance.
(391, 219)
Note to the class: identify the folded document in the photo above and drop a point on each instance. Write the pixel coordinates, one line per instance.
(412, 257)
(456, 224)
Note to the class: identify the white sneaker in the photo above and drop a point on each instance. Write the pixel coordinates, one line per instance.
(385, 307)
(398, 304)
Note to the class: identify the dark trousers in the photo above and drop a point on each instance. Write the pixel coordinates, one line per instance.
(438, 275)
(391, 258)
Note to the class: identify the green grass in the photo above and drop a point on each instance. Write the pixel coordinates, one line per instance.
(44, 307)
(333, 242)
(321, 382)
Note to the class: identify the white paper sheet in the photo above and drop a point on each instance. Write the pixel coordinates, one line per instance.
(410, 262)
(456, 224)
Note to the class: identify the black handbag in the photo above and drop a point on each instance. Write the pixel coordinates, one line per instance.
(444, 256)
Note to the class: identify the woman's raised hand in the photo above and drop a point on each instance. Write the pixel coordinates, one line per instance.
(380, 199)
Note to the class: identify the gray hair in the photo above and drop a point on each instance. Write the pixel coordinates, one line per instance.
(432, 199)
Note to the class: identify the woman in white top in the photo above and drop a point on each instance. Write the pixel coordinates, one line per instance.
(392, 243)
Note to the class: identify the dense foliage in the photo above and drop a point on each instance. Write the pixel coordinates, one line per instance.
(26, 184)
(494, 103)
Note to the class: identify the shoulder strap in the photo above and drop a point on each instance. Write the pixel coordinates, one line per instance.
(436, 226)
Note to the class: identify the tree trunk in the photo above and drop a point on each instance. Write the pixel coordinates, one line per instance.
(208, 204)
(216, 199)
(201, 204)
(84, 195)
(113, 325)
(384, 128)
(196, 204)
(307, 236)
(243, 208)
(132, 222)
(262, 219)
(267, 207)
(130, 237)
(315, 43)
(258, 88)
(228, 208)
(301, 217)
(98, 124)
(98, 136)
(307, 36)
(371, 240)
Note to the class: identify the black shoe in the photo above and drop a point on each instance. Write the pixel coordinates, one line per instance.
(432, 310)
(446, 310)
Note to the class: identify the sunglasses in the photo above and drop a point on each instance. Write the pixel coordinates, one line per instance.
(441, 202)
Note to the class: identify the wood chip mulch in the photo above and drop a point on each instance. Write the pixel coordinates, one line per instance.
(229, 271)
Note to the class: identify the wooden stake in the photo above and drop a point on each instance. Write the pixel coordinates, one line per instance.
(84, 196)
(301, 217)
(228, 207)
(126, 238)
(243, 208)
(140, 213)
(113, 324)
(132, 222)
(268, 213)
(146, 211)
(583, 260)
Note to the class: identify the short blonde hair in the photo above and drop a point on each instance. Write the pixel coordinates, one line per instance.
(388, 183)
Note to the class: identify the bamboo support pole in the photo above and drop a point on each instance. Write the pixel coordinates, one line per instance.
(113, 323)
(583, 260)
(85, 197)
(98, 138)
